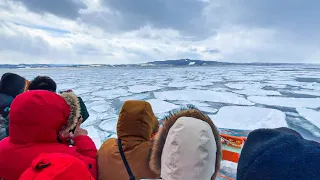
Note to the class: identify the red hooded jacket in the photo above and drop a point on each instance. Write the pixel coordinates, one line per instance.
(36, 117)
(56, 166)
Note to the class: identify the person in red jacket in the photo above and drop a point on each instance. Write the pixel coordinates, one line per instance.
(56, 166)
(40, 122)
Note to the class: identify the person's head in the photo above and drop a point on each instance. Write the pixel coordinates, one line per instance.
(187, 146)
(12, 84)
(43, 83)
(56, 166)
(38, 116)
(282, 153)
(83, 108)
(136, 119)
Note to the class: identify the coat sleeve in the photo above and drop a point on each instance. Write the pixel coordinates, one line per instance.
(86, 150)
(85, 146)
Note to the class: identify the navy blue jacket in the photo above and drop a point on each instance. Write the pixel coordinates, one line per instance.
(279, 154)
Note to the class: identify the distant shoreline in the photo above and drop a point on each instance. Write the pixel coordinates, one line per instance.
(167, 63)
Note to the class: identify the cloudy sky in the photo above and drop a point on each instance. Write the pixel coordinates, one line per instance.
(136, 31)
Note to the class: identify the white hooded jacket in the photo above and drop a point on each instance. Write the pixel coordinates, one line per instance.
(189, 152)
(188, 147)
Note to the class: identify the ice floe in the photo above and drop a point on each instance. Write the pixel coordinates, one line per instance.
(314, 86)
(111, 114)
(143, 88)
(91, 120)
(159, 106)
(257, 92)
(135, 97)
(249, 118)
(195, 103)
(94, 135)
(177, 84)
(101, 108)
(229, 169)
(310, 115)
(96, 103)
(203, 95)
(305, 125)
(207, 109)
(96, 99)
(286, 101)
(111, 94)
(82, 90)
(279, 86)
(244, 85)
(308, 92)
(63, 87)
(109, 125)
(189, 83)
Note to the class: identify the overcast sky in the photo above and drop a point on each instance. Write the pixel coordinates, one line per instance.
(135, 31)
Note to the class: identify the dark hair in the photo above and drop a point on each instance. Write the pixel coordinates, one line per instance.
(43, 83)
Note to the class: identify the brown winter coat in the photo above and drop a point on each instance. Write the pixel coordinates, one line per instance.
(136, 124)
(168, 122)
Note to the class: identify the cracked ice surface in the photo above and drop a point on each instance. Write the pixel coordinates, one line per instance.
(209, 88)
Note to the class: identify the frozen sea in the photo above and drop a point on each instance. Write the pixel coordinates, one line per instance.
(235, 97)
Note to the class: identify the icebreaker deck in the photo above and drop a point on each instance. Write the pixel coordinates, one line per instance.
(231, 147)
(232, 142)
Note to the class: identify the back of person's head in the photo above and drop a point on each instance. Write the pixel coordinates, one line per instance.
(12, 84)
(37, 116)
(136, 119)
(43, 83)
(274, 154)
(57, 166)
(187, 146)
(189, 151)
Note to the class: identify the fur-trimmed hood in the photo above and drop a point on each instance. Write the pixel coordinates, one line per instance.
(168, 123)
(38, 116)
(74, 104)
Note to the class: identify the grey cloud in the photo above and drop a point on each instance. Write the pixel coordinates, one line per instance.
(143, 55)
(89, 49)
(300, 17)
(193, 49)
(185, 16)
(63, 8)
(25, 44)
(157, 50)
(194, 19)
(212, 51)
(189, 55)
(148, 35)
(295, 13)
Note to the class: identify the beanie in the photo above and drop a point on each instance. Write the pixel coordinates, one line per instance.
(12, 84)
(282, 153)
